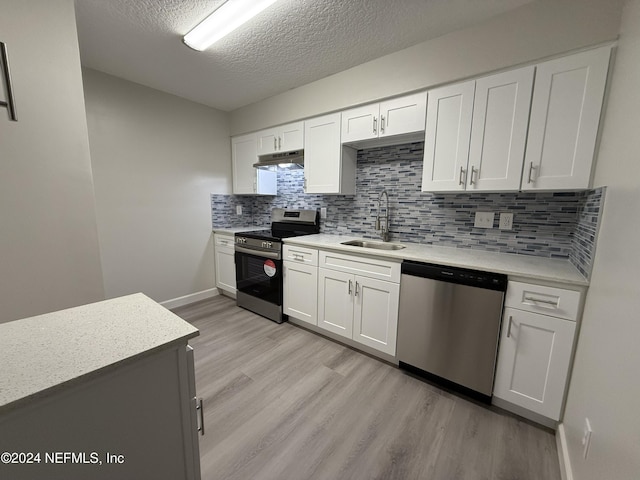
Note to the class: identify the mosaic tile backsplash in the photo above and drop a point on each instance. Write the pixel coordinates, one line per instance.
(548, 224)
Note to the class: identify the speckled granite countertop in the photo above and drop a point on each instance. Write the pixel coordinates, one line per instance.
(516, 266)
(42, 354)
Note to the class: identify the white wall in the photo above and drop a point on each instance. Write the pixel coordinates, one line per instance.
(536, 30)
(605, 386)
(156, 158)
(49, 254)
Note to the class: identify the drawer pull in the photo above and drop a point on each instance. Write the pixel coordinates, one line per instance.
(350, 287)
(509, 328)
(542, 300)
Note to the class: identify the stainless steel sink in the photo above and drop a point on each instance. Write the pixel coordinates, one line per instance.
(375, 245)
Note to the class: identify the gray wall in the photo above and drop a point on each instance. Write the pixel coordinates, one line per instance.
(536, 30)
(49, 254)
(605, 385)
(156, 158)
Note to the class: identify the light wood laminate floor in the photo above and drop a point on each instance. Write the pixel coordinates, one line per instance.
(284, 403)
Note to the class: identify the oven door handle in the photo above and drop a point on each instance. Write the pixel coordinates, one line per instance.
(258, 253)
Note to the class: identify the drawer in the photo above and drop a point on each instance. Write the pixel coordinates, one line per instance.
(306, 256)
(366, 266)
(556, 302)
(223, 240)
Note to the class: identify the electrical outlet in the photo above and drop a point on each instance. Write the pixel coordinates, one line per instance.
(238, 209)
(323, 212)
(586, 437)
(506, 221)
(484, 220)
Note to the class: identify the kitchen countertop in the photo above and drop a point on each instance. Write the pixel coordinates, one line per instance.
(521, 266)
(45, 353)
(233, 230)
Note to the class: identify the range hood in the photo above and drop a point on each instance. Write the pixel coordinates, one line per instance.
(288, 160)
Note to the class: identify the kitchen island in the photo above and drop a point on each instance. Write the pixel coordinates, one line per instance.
(105, 390)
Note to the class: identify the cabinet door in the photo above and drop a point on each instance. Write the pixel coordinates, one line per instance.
(225, 268)
(267, 141)
(565, 114)
(533, 361)
(246, 178)
(335, 301)
(375, 317)
(291, 137)
(499, 130)
(323, 166)
(360, 123)
(446, 144)
(244, 154)
(300, 292)
(403, 115)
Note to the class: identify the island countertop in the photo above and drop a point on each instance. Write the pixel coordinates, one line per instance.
(42, 354)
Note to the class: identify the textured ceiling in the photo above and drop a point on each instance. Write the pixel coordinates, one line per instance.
(292, 43)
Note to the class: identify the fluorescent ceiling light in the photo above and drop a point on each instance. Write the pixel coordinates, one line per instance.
(229, 16)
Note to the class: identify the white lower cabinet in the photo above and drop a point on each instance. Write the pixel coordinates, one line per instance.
(225, 262)
(375, 316)
(535, 349)
(359, 306)
(300, 283)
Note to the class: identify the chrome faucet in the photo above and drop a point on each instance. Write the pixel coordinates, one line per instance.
(384, 229)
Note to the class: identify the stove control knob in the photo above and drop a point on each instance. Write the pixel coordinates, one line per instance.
(241, 240)
(267, 244)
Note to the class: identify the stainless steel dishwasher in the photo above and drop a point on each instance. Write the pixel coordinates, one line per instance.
(449, 325)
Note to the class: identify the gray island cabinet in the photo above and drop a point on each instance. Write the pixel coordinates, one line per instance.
(101, 391)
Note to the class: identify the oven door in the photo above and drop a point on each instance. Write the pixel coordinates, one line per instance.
(259, 275)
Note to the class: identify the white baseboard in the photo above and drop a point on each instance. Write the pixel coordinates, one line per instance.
(563, 453)
(191, 298)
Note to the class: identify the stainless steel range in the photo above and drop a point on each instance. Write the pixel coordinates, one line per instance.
(258, 256)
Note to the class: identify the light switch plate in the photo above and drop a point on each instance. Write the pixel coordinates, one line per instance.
(238, 209)
(484, 220)
(323, 212)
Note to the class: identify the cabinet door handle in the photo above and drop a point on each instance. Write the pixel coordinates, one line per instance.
(304, 184)
(473, 170)
(10, 103)
(255, 186)
(531, 167)
(279, 143)
(200, 409)
(461, 180)
(357, 287)
(381, 123)
(542, 300)
(350, 287)
(509, 327)
(275, 143)
(375, 125)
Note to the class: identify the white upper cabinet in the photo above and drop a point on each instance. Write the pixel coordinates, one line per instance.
(476, 133)
(499, 130)
(390, 118)
(447, 135)
(329, 167)
(565, 115)
(247, 179)
(284, 138)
